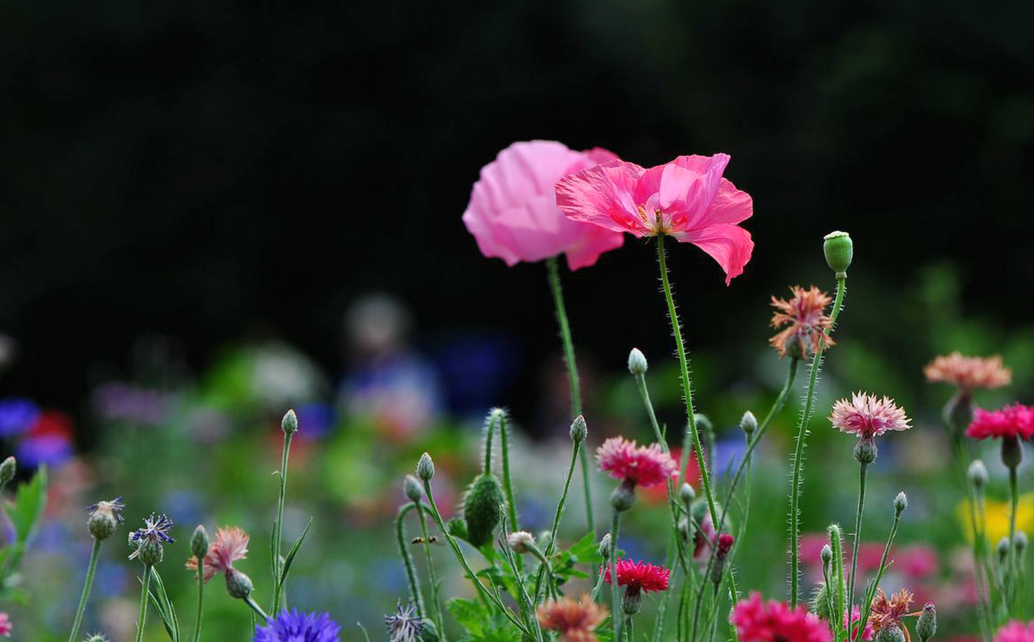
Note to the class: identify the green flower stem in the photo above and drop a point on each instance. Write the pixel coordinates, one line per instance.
(551, 546)
(432, 580)
(615, 600)
(523, 599)
(599, 580)
(1013, 567)
(250, 601)
(980, 570)
(628, 624)
(278, 528)
(572, 377)
(831, 606)
(838, 565)
(511, 504)
(90, 571)
(802, 434)
(200, 599)
(871, 593)
(407, 559)
(143, 604)
(687, 387)
(486, 595)
(857, 536)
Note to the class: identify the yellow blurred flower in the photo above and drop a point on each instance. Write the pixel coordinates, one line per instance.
(996, 517)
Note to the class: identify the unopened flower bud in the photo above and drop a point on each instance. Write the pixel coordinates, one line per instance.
(199, 542)
(238, 585)
(1003, 549)
(604, 549)
(411, 485)
(685, 529)
(520, 542)
(150, 552)
(900, 503)
(978, 474)
(7, 469)
(631, 601)
(687, 494)
(839, 250)
(623, 497)
(958, 412)
(104, 518)
(425, 467)
(578, 429)
(1012, 451)
(1020, 542)
(749, 424)
(481, 508)
(96, 637)
(891, 634)
(637, 362)
(722, 547)
(826, 555)
(926, 626)
(290, 422)
(865, 450)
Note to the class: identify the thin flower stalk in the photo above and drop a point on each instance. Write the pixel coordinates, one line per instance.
(837, 545)
(200, 598)
(615, 600)
(871, 593)
(90, 572)
(572, 377)
(415, 594)
(576, 451)
(504, 452)
(432, 580)
(802, 434)
(290, 425)
(142, 620)
(523, 599)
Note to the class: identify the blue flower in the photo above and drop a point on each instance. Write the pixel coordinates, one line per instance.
(17, 415)
(156, 529)
(294, 626)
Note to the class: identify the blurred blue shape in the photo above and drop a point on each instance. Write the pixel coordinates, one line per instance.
(315, 419)
(52, 450)
(17, 414)
(476, 366)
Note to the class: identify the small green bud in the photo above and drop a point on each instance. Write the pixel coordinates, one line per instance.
(238, 585)
(150, 552)
(1020, 542)
(7, 469)
(101, 524)
(826, 555)
(637, 362)
(749, 424)
(1012, 451)
(481, 508)
(865, 450)
(890, 634)
(412, 488)
(839, 250)
(978, 474)
(425, 467)
(604, 549)
(578, 429)
(623, 497)
(520, 542)
(631, 602)
(926, 626)
(900, 503)
(199, 542)
(1003, 549)
(687, 494)
(289, 422)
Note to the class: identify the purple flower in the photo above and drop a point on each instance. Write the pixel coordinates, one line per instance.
(156, 529)
(17, 415)
(294, 626)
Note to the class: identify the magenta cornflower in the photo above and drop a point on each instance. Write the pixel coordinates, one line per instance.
(1016, 420)
(968, 373)
(230, 545)
(5, 625)
(640, 576)
(686, 198)
(856, 614)
(1016, 631)
(868, 416)
(644, 466)
(759, 621)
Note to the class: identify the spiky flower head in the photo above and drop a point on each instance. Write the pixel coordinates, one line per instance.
(105, 516)
(968, 373)
(230, 545)
(804, 314)
(868, 416)
(644, 466)
(639, 576)
(886, 613)
(575, 621)
(295, 626)
(404, 625)
(150, 538)
(1015, 421)
(759, 621)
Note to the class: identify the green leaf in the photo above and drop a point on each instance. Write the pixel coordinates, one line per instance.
(294, 551)
(162, 604)
(469, 614)
(28, 505)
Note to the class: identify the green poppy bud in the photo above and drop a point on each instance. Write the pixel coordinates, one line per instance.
(481, 508)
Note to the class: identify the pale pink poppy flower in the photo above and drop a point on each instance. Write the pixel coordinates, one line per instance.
(868, 416)
(513, 213)
(230, 545)
(686, 198)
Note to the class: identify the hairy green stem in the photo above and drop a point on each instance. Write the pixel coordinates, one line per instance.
(572, 377)
(857, 536)
(1013, 560)
(802, 434)
(200, 598)
(511, 504)
(90, 571)
(143, 604)
(551, 546)
(278, 529)
(432, 580)
(407, 559)
(615, 600)
(838, 566)
(871, 593)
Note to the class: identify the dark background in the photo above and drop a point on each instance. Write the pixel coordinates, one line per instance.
(206, 171)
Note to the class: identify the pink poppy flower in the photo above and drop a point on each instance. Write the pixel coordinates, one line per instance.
(513, 213)
(759, 621)
(1011, 421)
(868, 416)
(230, 545)
(1016, 631)
(5, 625)
(639, 576)
(642, 465)
(686, 198)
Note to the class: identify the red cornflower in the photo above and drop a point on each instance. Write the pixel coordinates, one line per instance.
(885, 613)
(230, 545)
(805, 314)
(772, 621)
(868, 416)
(968, 373)
(636, 576)
(642, 465)
(575, 621)
(1016, 631)
(1016, 420)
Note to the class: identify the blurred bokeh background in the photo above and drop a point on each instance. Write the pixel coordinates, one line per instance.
(210, 213)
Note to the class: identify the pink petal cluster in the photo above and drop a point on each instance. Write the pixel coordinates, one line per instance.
(1016, 631)
(5, 625)
(856, 614)
(968, 373)
(1016, 420)
(639, 576)
(230, 545)
(868, 416)
(759, 621)
(642, 465)
(686, 198)
(513, 213)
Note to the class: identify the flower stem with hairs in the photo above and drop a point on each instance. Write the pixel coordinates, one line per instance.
(576, 449)
(871, 593)
(90, 571)
(143, 604)
(432, 580)
(857, 536)
(200, 598)
(615, 600)
(278, 527)
(407, 559)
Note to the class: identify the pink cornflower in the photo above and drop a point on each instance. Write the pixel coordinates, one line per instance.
(1016, 420)
(513, 213)
(641, 465)
(1016, 631)
(639, 576)
(968, 373)
(868, 416)
(772, 621)
(230, 545)
(5, 625)
(686, 198)
(805, 313)
(575, 621)
(856, 614)
(885, 613)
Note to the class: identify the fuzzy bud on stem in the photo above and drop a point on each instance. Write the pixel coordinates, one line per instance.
(425, 467)
(926, 626)
(604, 549)
(1020, 542)
(826, 555)
(289, 423)
(578, 429)
(865, 450)
(749, 424)
(1003, 549)
(411, 486)
(891, 634)
(199, 543)
(687, 494)
(839, 250)
(238, 585)
(900, 504)
(1012, 451)
(520, 542)
(978, 474)
(623, 496)
(637, 362)
(7, 470)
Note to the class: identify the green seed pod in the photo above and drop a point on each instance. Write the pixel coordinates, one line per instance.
(890, 634)
(839, 250)
(238, 585)
(199, 542)
(7, 470)
(926, 627)
(289, 424)
(481, 508)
